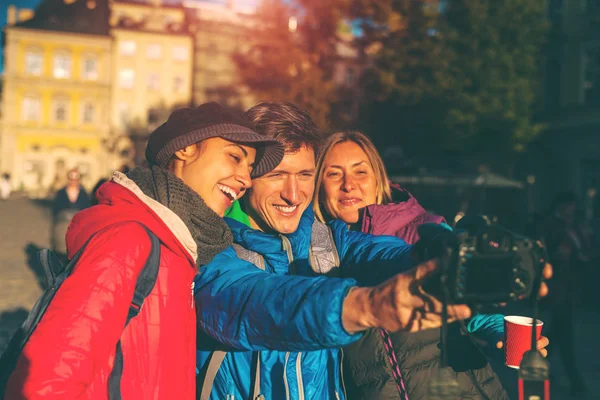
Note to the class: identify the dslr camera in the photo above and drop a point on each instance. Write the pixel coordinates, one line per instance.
(481, 263)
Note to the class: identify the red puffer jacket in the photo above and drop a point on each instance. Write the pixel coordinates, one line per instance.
(70, 355)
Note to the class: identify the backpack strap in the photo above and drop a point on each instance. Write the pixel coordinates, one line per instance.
(214, 363)
(249, 255)
(143, 287)
(53, 267)
(217, 356)
(323, 254)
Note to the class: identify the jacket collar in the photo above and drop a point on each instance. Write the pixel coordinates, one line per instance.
(254, 239)
(170, 219)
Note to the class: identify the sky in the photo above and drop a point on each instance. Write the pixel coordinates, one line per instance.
(3, 7)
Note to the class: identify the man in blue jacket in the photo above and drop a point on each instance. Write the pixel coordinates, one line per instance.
(272, 328)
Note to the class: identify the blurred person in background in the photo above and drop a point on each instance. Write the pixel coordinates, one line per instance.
(569, 250)
(5, 187)
(67, 202)
(352, 185)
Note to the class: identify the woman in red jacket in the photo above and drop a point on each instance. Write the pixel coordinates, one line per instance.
(200, 161)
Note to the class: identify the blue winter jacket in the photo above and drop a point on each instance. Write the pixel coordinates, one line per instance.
(289, 314)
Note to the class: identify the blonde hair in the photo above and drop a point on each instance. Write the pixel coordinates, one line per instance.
(383, 194)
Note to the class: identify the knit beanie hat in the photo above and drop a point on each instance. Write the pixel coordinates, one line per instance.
(187, 126)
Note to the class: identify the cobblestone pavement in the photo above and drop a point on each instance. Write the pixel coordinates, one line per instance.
(25, 228)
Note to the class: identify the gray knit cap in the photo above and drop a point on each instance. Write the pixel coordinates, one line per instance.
(186, 126)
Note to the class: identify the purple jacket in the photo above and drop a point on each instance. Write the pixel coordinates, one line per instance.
(400, 218)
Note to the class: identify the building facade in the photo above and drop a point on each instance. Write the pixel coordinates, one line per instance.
(219, 33)
(152, 58)
(56, 89)
(84, 82)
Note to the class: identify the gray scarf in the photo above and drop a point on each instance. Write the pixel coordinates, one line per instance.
(210, 232)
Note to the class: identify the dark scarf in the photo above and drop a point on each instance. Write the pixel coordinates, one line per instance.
(210, 232)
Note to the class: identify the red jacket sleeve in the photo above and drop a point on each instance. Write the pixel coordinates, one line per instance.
(81, 327)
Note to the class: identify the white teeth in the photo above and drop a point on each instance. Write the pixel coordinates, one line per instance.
(288, 209)
(228, 191)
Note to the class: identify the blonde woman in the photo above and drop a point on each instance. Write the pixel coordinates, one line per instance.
(352, 185)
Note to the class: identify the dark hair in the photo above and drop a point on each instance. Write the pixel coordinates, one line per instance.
(290, 125)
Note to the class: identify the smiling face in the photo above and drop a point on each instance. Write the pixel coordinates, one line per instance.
(278, 199)
(348, 182)
(217, 169)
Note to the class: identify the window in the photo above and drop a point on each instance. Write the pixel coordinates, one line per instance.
(178, 84)
(88, 113)
(90, 68)
(31, 109)
(180, 53)
(33, 63)
(154, 51)
(126, 78)
(60, 110)
(62, 66)
(591, 83)
(153, 81)
(127, 47)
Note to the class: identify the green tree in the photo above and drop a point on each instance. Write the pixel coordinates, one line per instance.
(291, 59)
(461, 75)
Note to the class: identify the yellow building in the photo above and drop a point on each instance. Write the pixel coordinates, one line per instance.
(56, 91)
(152, 57)
(82, 78)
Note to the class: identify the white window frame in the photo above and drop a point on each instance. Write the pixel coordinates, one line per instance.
(30, 55)
(127, 47)
(90, 75)
(180, 53)
(154, 51)
(31, 109)
(62, 71)
(127, 78)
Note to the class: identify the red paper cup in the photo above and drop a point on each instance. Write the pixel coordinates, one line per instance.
(517, 338)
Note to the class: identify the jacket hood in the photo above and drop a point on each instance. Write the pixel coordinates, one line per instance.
(388, 219)
(121, 200)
